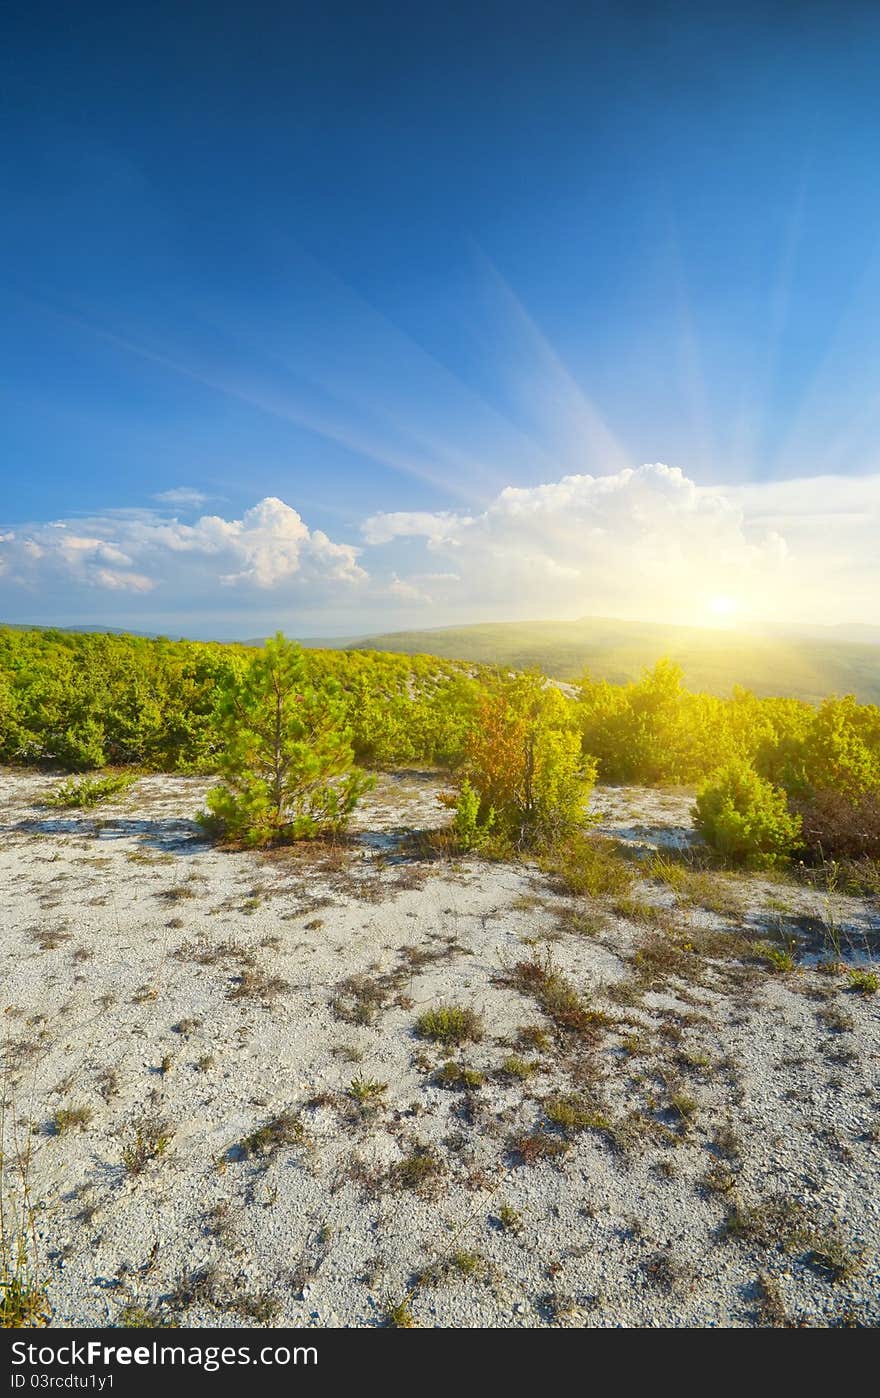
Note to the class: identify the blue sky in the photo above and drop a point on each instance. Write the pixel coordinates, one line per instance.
(295, 296)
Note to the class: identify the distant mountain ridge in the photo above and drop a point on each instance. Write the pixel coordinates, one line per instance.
(808, 664)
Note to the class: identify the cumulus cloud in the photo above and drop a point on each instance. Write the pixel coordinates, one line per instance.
(268, 547)
(635, 540)
(647, 543)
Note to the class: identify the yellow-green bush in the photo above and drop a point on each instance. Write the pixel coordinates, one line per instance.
(746, 818)
(523, 758)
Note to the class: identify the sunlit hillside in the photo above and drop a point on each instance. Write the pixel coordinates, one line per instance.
(804, 667)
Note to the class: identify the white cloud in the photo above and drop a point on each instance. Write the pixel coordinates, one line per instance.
(438, 529)
(647, 543)
(182, 495)
(651, 543)
(270, 546)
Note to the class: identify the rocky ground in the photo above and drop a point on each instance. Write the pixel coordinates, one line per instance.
(657, 1105)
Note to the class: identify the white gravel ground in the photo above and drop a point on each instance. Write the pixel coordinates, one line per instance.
(163, 983)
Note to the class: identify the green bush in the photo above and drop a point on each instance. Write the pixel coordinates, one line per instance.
(841, 751)
(89, 791)
(523, 759)
(470, 831)
(746, 818)
(287, 763)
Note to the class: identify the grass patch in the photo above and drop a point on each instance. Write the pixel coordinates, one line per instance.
(180, 892)
(285, 1129)
(556, 996)
(147, 1140)
(530, 1147)
(254, 984)
(509, 1219)
(589, 865)
(777, 958)
(359, 999)
(260, 1306)
(774, 1222)
(450, 1024)
(459, 1078)
(516, 1068)
(863, 982)
(399, 1317)
(367, 1093)
(137, 1317)
(697, 887)
(662, 1271)
(23, 1300)
(771, 1308)
(830, 1255)
(574, 1114)
(639, 910)
(683, 1105)
(416, 1171)
(719, 1178)
(532, 1037)
(68, 1118)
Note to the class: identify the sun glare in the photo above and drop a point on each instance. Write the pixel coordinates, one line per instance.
(722, 610)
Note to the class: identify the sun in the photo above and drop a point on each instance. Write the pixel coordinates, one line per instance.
(723, 606)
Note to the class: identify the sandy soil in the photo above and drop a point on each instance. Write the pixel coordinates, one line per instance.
(188, 998)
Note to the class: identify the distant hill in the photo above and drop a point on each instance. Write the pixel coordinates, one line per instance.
(806, 666)
(89, 630)
(807, 662)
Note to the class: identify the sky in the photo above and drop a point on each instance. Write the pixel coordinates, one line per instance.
(347, 318)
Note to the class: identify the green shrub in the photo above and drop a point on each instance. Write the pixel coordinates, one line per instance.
(287, 764)
(523, 759)
(469, 830)
(841, 751)
(89, 791)
(746, 818)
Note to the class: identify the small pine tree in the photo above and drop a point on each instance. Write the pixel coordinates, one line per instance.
(286, 765)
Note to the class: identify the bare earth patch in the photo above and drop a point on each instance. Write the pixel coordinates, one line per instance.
(661, 1108)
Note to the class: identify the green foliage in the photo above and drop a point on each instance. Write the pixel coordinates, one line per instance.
(92, 700)
(401, 709)
(864, 982)
(746, 818)
(450, 1024)
(523, 759)
(287, 762)
(86, 792)
(526, 755)
(589, 864)
(841, 750)
(634, 730)
(86, 701)
(469, 830)
(656, 731)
